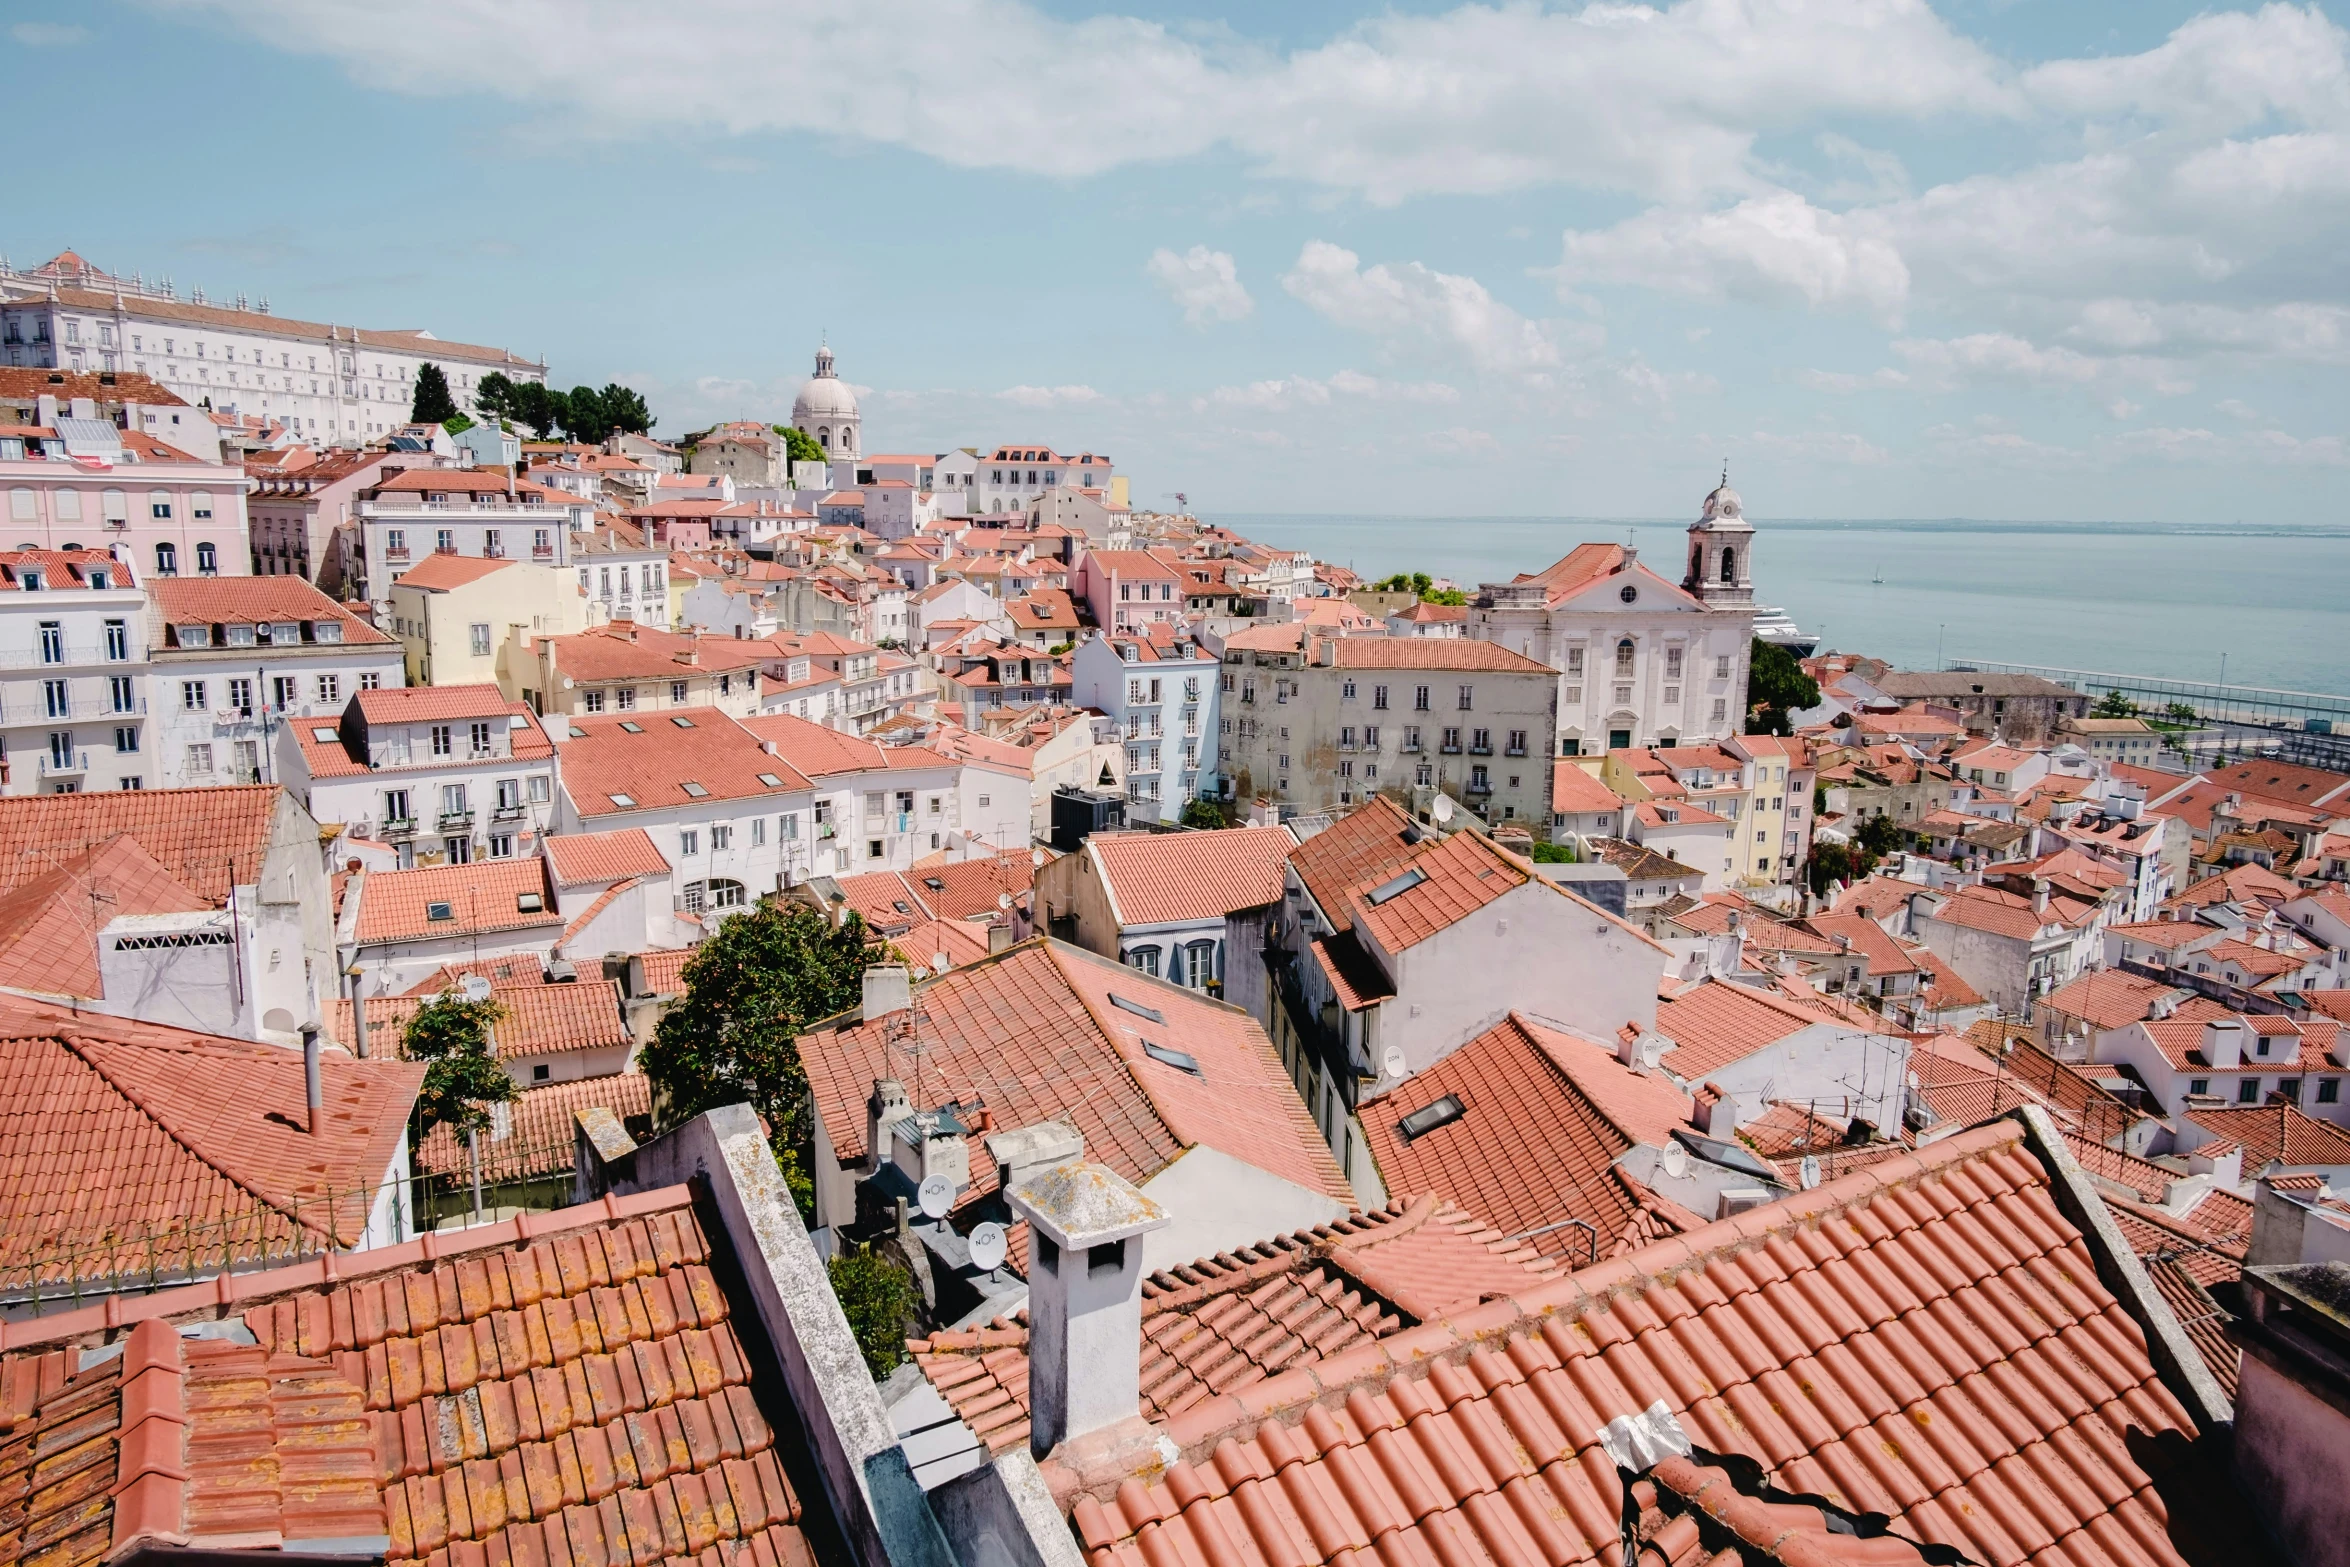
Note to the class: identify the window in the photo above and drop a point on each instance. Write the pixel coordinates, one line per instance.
(1672, 663)
(625, 698)
(1144, 960)
(52, 642)
(540, 789)
(721, 836)
(1452, 740)
(594, 701)
(479, 632)
(1346, 691)
(240, 696)
(873, 849)
(1729, 566)
(122, 692)
(396, 807)
(283, 691)
(502, 848)
(118, 641)
(1722, 667)
(677, 694)
(330, 688)
(2329, 1090)
(197, 762)
(2290, 1087)
(56, 698)
(159, 505)
(480, 736)
(192, 698)
(1481, 741)
(1517, 742)
(726, 893)
(1721, 708)
(1420, 699)
(207, 560)
(1624, 657)
(453, 801)
(1574, 661)
(1468, 697)
(126, 741)
(441, 740)
(689, 840)
(2248, 1091)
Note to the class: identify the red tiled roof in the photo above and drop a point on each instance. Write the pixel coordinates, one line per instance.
(1032, 1032)
(579, 857)
(121, 1134)
(2108, 998)
(814, 750)
(648, 761)
(1575, 788)
(1923, 1338)
(1162, 878)
(49, 925)
(209, 839)
(523, 968)
(1451, 653)
(1232, 1320)
(1715, 1023)
(894, 900)
(540, 1019)
(252, 601)
(2008, 914)
(665, 971)
(540, 1132)
(1869, 939)
(1355, 977)
(434, 704)
(1546, 1117)
(438, 573)
(585, 1361)
(2277, 1131)
(628, 651)
(481, 897)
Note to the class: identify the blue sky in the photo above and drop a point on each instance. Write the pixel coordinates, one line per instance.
(1997, 258)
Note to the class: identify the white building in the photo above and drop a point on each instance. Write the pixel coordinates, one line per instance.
(73, 687)
(826, 410)
(1162, 691)
(339, 385)
(439, 774)
(231, 660)
(881, 808)
(1640, 660)
(482, 513)
(1013, 477)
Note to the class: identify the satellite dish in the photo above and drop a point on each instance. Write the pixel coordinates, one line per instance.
(1003, 900)
(1676, 1160)
(1442, 809)
(1809, 1171)
(1391, 1061)
(1913, 1082)
(936, 1196)
(1036, 856)
(475, 988)
(939, 963)
(987, 1247)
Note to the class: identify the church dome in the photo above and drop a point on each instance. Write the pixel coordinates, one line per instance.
(826, 397)
(1723, 504)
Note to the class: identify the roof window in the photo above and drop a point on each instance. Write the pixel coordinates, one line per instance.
(439, 911)
(1137, 1008)
(192, 636)
(683, 723)
(631, 728)
(770, 780)
(1398, 887)
(1174, 1058)
(323, 735)
(528, 903)
(624, 801)
(694, 789)
(1431, 1117)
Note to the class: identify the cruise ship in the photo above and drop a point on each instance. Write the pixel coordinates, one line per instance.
(1777, 627)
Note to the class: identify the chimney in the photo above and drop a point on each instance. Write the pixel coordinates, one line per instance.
(2040, 897)
(1025, 1152)
(46, 410)
(1086, 1228)
(886, 1107)
(2223, 1043)
(888, 988)
(2221, 1160)
(313, 1092)
(2163, 1006)
(1643, 1050)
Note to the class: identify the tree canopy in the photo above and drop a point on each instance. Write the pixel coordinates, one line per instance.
(1775, 687)
(595, 416)
(2114, 705)
(799, 445)
(433, 403)
(462, 1078)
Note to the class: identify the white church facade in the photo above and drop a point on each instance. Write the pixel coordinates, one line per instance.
(1642, 661)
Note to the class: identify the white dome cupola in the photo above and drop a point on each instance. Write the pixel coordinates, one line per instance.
(826, 410)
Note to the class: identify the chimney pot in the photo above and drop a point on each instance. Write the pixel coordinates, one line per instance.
(314, 1093)
(1086, 1226)
(888, 988)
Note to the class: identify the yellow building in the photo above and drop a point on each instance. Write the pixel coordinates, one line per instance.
(456, 615)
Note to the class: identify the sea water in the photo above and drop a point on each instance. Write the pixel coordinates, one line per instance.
(2261, 605)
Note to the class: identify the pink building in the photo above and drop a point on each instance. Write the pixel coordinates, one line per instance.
(76, 482)
(1130, 589)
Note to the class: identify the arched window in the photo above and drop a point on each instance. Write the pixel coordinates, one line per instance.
(1624, 657)
(167, 560)
(1144, 959)
(824, 436)
(726, 893)
(848, 438)
(207, 560)
(1729, 566)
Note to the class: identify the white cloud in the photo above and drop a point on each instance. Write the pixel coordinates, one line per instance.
(49, 35)
(1843, 383)
(2123, 408)
(1995, 354)
(1460, 438)
(1049, 396)
(2235, 408)
(1411, 306)
(1300, 391)
(1203, 281)
(1771, 248)
(1821, 446)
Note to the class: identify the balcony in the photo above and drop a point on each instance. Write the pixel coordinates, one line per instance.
(454, 821)
(1515, 750)
(1480, 750)
(67, 764)
(1480, 786)
(493, 552)
(396, 556)
(542, 552)
(1449, 750)
(507, 813)
(395, 827)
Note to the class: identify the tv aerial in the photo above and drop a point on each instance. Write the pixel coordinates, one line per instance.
(987, 1247)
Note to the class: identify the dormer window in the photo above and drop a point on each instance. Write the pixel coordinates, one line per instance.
(99, 581)
(30, 581)
(326, 631)
(191, 636)
(240, 636)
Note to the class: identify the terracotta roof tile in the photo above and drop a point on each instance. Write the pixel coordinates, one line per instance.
(49, 925)
(120, 1134)
(580, 857)
(489, 895)
(1033, 1033)
(2277, 1132)
(893, 900)
(1230, 1321)
(1715, 1023)
(208, 839)
(537, 1134)
(252, 601)
(541, 1019)
(1162, 878)
(1921, 1339)
(423, 1397)
(435, 704)
(665, 971)
(619, 763)
(1545, 1117)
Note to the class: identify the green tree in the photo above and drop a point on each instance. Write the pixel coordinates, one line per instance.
(1204, 813)
(1554, 853)
(878, 1297)
(462, 1078)
(799, 445)
(750, 992)
(2180, 712)
(1878, 837)
(433, 402)
(494, 398)
(527, 403)
(1453, 596)
(1831, 863)
(593, 416)
(2114, 705)
(1775, 687)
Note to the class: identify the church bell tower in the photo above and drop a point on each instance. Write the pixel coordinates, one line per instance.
(1721, 550)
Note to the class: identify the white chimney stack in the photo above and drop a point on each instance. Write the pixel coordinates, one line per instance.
(1086, 1224)
(888, 988)
(2223, 1043)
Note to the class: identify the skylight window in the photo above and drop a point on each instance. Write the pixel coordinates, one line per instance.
(1177, 1059)
(1432, 1117)
(1398, 887)
(683, 723)
(770, 780)
(528, 903)
(629, 727)
(1137, 1008)
(694, 789)
(625, 802)
(439, 911)
(324, 735)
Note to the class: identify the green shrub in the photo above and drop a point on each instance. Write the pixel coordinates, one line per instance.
(877, 1296)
